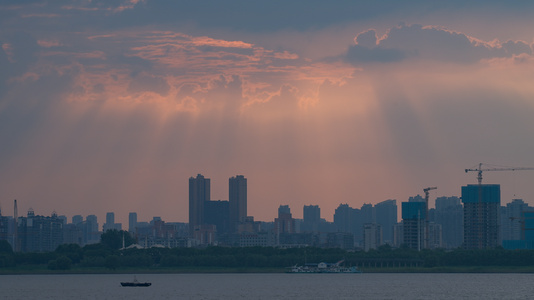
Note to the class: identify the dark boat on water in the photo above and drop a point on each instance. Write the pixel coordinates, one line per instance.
(135, 283)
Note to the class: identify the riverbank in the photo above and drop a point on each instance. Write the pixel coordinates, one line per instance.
(36, 270)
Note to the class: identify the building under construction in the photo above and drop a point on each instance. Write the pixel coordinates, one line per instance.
(414, 224)
(481, 215)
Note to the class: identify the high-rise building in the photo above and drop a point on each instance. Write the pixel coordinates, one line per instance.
(312, 218)
(449, 213)
(132, 222)
(435, 236)
(199, 193)
(414, 225)
(285, 222)
(511, 219)
(372, 236)
(386, 216)
(350, 220)
(367, 214)
(90, 231)
(217, 213)
(110, 223)
(4, 228)
(344, 218)
(481, 215)
(77, 219)
(40, 233)
(527, 231)
(237, 196)
(110, 218)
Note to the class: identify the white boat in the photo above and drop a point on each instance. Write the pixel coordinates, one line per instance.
(323, 267)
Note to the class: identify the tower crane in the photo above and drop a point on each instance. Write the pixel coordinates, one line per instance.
(426, 194)
(480, 170)
(426, 232)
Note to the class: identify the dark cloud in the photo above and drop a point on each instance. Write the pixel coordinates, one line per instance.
(134, 63)
(361, 54)
(416, 41)
(516, 48)
(21, 50)
(367, 39)
(242, 15)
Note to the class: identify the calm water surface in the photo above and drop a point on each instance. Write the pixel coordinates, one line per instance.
(271, 286)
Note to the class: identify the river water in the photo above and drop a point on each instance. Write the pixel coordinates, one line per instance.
(271, 286)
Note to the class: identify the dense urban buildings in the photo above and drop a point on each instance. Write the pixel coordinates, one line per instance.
(39, 233)
(474, 221)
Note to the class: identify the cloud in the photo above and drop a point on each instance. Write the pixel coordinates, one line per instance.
(428, 43)
(148, 83)
(116, 104)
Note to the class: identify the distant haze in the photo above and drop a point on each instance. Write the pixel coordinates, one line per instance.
(113, 105)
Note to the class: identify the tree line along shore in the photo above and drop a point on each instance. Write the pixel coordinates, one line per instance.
(107, 257)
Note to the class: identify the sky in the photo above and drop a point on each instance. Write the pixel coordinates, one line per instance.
(110, 106)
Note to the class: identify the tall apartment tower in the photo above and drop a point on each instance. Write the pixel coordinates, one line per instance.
(110, 218)
(386, 216)
(511, 222)
(414, 225)
(481, 215)
(449, 214)
(132, 222)
(285, 222)
(110, 222)
(237, 190)
(90, 232)
(312, 218)
(199, 193)
(77, 219)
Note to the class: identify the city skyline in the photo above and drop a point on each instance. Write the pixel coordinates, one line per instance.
(204, 189)
(111, 106)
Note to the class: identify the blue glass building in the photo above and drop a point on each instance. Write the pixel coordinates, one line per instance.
(414, 225)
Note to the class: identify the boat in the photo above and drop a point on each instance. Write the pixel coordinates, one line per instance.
(135, 283)
(323, 267)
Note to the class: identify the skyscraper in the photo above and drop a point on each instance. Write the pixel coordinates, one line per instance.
(343, 218)
(132, 222)
(449, 214)
(110, 223)
(237, 196)
(110, 218)
(90, 231)
(77, 219)
(481, 215)
(199, 192)
(312, 218)
(386, 215)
